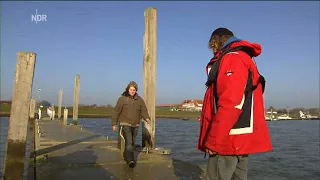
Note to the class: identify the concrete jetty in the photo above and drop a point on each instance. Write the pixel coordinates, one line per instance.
(72, 152)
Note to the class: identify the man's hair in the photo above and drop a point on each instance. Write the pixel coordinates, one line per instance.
(220, 36)
(131, 84)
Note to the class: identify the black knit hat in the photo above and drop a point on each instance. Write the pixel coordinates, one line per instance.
(221, 32)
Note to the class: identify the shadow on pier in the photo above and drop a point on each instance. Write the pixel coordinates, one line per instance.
(63, 145)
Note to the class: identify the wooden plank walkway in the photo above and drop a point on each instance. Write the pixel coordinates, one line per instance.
(70, 152)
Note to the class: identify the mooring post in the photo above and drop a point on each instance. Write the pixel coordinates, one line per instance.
(19, 116)
(53, 112)
(32, 108)
(149, 75)
(60, 103)
(31, 135)
(76, 99)
(65, 116)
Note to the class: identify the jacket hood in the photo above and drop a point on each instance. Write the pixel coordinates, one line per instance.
(234, 42)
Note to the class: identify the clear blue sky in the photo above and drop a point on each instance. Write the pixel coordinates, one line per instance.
(103, 42)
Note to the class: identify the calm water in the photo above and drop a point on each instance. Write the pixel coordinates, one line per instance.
(296, 153)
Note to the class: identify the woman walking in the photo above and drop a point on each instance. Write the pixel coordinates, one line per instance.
(128, 112)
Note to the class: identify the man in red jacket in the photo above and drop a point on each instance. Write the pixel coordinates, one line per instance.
(232, 122)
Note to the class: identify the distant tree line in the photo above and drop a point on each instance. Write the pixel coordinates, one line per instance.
(95, 106)
(46, 103)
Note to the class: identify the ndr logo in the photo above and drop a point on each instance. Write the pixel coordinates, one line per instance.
(38, 17)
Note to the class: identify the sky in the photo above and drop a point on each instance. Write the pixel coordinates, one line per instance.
(103, 43)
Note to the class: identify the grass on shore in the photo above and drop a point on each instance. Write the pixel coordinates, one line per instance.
(105, 112)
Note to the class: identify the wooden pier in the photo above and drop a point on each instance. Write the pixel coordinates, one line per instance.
(70, 152)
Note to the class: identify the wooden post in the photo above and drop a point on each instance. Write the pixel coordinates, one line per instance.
(76, 99)
(60, 103)
(65, 116)
(149, 74)
(19, 115)
(53, 112)
(39, 113)
(31, 135)
(32, 108)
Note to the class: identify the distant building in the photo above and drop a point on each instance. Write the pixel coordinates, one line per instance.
(191, 105)
(186, 105)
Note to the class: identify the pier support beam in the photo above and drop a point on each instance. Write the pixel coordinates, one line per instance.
(19, 116)
(149, 75)
(76, 99)
(60, 103)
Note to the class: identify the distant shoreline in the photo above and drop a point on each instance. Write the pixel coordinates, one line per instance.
(107, 112)
(167, 117)
(182, 117)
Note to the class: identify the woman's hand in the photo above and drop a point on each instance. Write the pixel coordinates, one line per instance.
(210, 152)
(114, 128)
